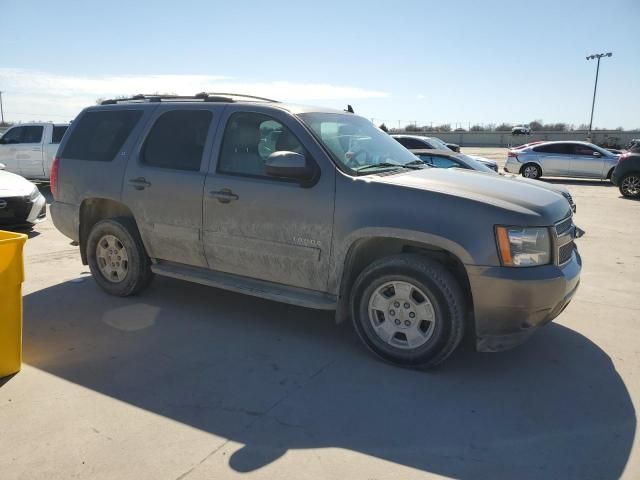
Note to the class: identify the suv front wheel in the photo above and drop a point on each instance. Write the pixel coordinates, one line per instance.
(409, 310)
(117, 258)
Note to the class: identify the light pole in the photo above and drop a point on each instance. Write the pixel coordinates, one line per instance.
(1, 111)
(595, 87)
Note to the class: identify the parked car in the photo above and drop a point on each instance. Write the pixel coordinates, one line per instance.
(447, 159)
(453, 146)
(413, 142)
(561, 159)
(326, 220)
(28, 149)
(521, 130)
(21, 203)
(626, 175)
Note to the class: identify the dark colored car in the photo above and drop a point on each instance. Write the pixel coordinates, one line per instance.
(626, 175)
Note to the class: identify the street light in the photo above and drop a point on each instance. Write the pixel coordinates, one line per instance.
(595, 87)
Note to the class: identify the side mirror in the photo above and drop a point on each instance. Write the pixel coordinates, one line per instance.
(597, 154)
(288, 165)
(2, 166)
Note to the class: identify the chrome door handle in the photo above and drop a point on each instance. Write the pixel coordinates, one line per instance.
(139, 183)
(224, 196)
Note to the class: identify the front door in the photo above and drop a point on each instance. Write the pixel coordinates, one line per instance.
(264, 227)
(29, 152)
(8, 149)
(164, 181)
(586, 162)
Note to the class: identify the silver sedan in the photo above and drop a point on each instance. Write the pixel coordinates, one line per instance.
(561, 159)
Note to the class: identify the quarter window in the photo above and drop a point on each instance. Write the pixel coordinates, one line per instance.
(249, 139)
(177, 140)
(100, 134)
(58, 133)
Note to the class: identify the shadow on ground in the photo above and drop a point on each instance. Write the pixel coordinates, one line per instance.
(275, 377)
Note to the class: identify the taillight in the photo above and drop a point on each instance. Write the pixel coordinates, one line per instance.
(53, 177)
(623, 157)
(512, 153)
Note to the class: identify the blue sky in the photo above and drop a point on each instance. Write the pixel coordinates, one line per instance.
(441, 62)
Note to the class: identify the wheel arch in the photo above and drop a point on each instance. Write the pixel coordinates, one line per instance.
(364, 251)
(532, 162)
(93, 210)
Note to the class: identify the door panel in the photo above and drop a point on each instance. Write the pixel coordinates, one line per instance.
(261, 227)
(8, 150)
(165, 178)
(555, 159)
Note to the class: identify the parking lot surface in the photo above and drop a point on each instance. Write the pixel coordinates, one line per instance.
(190, 382)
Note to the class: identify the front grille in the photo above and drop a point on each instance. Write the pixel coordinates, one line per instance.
(563, 226)
(564, 252)
(15, 211)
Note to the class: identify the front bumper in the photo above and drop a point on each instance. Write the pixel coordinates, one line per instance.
(512, 303)
(22, 211)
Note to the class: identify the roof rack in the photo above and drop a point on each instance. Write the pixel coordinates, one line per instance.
(202, 96)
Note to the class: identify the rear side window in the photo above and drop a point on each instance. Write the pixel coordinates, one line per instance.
(412, 143)
(177, 140)
(58, 133)
(554, 148)
(99, 135)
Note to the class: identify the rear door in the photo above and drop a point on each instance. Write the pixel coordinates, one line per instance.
(29, 151)
(263, 227)
(164, 181)
(555, 158)
(586, 161)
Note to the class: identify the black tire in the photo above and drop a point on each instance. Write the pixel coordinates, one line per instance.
(442, 290)
(138, 271)
(537, 168)
(627, 189)
(610, 174)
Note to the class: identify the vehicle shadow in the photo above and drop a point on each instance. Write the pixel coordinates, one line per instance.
(45, 190)
(274, 377)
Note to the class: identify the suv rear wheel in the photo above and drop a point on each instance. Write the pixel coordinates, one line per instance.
(630, 185)
(408, 309)
(117, 258)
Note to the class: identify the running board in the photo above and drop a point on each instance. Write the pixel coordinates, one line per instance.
(258, 288)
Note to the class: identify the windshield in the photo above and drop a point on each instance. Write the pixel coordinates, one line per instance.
(439, 144)
(355, 143)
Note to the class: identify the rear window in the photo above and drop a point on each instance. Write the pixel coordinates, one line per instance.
(58, 133)
(99, 135)
(554, 148)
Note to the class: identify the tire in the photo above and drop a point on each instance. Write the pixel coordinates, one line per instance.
(531, 170)
(118, 239)
(630, 185)
(436, 294)
(610, 174)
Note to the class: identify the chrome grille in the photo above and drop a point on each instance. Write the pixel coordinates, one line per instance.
(563, 226)
(564, 252)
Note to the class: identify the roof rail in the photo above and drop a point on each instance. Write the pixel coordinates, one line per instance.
(241, 95)
(202, 96)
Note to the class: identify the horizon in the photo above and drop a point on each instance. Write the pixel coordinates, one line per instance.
(463, 65)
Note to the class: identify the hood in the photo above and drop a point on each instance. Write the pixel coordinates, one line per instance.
(561, 189)
(516, 196)
(12, 185)
(483, 159)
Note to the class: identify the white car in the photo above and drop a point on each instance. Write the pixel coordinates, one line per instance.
(521, 130)
(21, 203)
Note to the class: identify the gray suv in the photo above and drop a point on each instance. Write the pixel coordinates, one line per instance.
(317, 208)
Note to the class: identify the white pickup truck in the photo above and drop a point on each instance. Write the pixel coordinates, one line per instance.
(28, 149)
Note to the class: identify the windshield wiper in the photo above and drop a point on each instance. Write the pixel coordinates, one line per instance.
(379, 165)
(416, 164)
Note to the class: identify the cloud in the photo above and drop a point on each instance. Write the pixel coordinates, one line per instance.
(30, 95)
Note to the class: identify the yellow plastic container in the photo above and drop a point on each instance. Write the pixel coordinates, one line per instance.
(11, 278)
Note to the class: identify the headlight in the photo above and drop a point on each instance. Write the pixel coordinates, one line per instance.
(523, 247)
(34, 194)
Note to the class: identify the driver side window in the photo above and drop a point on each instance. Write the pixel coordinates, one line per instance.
(249, 139)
